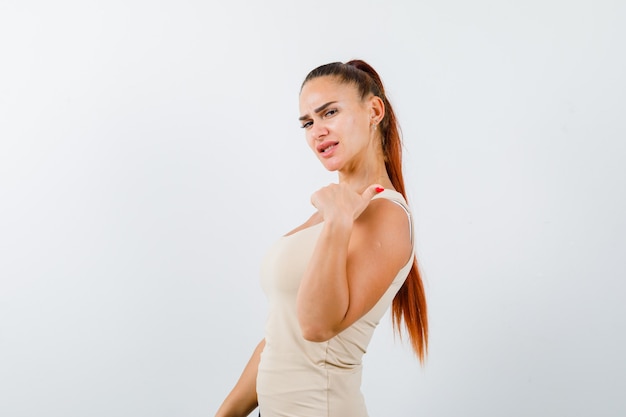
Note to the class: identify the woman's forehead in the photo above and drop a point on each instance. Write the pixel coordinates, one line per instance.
(325, 89)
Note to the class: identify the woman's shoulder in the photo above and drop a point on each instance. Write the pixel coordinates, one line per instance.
(391, 194)
(389, 212)
(388, 206)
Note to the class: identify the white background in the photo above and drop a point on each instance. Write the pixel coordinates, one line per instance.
(150, 153)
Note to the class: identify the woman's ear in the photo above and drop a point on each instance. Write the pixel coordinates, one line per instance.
(377, 109)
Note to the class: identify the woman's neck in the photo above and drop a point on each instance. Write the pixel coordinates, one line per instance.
(366, 169)
(359, 180)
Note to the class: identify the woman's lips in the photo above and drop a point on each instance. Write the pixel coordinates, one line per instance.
(327, 148)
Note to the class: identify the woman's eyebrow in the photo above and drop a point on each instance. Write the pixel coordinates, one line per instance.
(317, 110)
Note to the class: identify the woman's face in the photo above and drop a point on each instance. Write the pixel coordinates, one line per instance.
(337, 123)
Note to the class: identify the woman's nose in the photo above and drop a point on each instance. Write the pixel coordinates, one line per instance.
(318, 131)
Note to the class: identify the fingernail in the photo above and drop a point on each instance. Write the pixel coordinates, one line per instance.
(379, 189)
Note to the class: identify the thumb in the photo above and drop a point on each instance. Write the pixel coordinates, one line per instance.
(371, 191)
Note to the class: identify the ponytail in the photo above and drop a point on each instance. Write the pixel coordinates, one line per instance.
(409, 304)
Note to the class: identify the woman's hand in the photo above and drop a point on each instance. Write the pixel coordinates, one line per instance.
(339, 202)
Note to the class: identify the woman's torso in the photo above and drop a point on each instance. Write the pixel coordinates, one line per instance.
(301, 378)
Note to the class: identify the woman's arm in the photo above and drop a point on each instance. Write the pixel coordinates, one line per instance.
(242, 399)
(357, 256)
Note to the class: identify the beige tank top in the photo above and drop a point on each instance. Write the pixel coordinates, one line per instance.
(298, 378)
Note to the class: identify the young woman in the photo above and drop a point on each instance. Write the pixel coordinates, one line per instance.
(330, 280)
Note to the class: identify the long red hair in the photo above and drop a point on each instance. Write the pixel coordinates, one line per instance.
(409, 304)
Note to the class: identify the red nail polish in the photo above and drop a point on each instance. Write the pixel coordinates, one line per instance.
(379, 189)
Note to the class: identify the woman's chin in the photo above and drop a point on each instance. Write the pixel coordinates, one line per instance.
(330, 166)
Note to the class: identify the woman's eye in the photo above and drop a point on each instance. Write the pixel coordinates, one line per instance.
(307, 125)
(330, 112)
